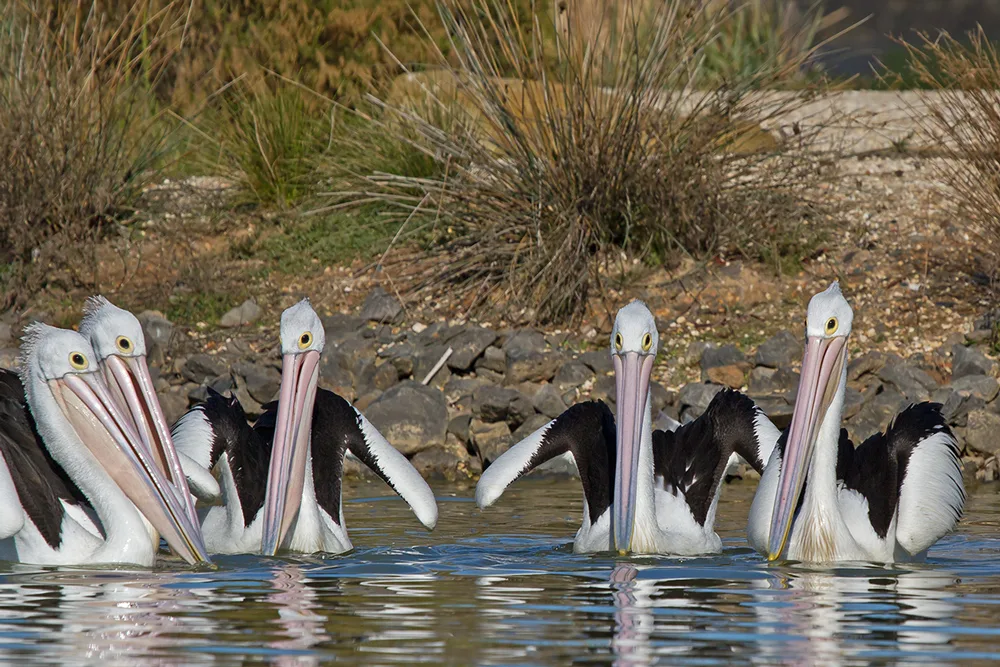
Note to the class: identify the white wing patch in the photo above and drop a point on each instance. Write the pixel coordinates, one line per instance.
(931, 496)
(193, 435)
(508, 467)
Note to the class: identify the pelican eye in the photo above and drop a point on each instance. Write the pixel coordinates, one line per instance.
(618, 342)
(305, 340)
(647, 342)
(78, 360)
(831, 326)
(124, 344)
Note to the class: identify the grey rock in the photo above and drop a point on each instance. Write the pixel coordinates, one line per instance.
(853, 400)
(451, 462)
(983, 431)
(174, 403)
(352, 350)
(469, 346)
(727, 355)
(222, 383)
(490, 376)
(696, 350)
(598, 361)
(403, 365)
(459, 426)
(983, 387)
(781, 349)
(490, 439)
(410, 416)
(572, 374)
(386, 376)
(238, 387)
(777, 409)
(364, 377)
(457, 387)
(262, 382)
(698, 395)
(768, 380)
(969, 361)
(6, 334)
(380, 306)
(156, 329)
(870, 362)
(339, 326)
(424, 360)
(874, 416)
(979, 335)
(524, 341)
(494, 404)
(913, 383)
(659, 397)
(493, 359)
(199, 394)
(246, 313)
(200, 367)
(530, 425)
(362, 403)
(548, 401)
(9, 357)
(604, 390)
(334, 376)
(438, 333)
(530, 366)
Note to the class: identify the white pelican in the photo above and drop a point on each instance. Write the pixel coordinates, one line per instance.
(76, 457)
(645, 491)
(287, 495)
(120, 349)
(822, 500)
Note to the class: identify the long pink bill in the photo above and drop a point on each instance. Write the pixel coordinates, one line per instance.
(111, 437)
(130, 381)
(632, 373)
(290, 448)
(822, 367)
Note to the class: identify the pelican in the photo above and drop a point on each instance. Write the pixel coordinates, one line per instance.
(78, 483)
(281, 479)
(822, 500)
(645, 491)
(120, 348)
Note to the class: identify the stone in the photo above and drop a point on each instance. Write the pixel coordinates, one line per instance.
(451, 462)
(386, 376)
(913, 383)
(335, 377)
(459, 426)
(494, 404)
(157, 330)
(572, 375)
(548, 402)
(870, 362)
(768, 380)
(530, 425)
(468, 346)
(410, 416)
(659, 397)
(853, 400)
(983, 387)
(380, 306)
(424, 360)
(782, 349)
(726, 355)
(362, 403)
(9, 357)
(403, 365)
(874, 416)
(7, 334)
(173, 402)
(339, 326)
(605, 390)
(493, 359)
(262, 382)
(458, 387)
(696, 349)
(982, 434)
(530, 366)
(777, 409)
(491, 439)
(238, 386)
(698, 395)
(598, 361)
(979, 336)
(969, 361)
(200, 367)
(732, 375)
(246, 313)
(352, 350)
(525, 341)
(364, 376)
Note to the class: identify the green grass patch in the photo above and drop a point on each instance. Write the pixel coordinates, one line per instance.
(198, 306)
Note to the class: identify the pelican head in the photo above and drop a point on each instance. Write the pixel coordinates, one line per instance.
(120, 352)
(828, 324)
(634, 341)
(302, 341)
(63, 364)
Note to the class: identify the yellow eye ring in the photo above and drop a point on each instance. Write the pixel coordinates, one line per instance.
(78, 360)
(647, 342)
(618, 342)
(124, 344)
(831, 325)
(305, 340)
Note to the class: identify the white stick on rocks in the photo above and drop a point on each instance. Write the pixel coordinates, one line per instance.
(437, 366)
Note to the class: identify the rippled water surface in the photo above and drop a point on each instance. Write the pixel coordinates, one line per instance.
(504, 587)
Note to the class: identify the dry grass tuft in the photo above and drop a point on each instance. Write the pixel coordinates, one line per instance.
(566, 155)
(78, 140)
(961, 115)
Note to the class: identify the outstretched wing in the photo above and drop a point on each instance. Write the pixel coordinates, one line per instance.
(337, 428)
(587, 431)
(912, 472)
(691, 461)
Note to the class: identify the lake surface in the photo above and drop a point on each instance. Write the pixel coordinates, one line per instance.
(503, 587)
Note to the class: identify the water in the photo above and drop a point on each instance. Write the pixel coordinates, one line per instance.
(504, 588)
